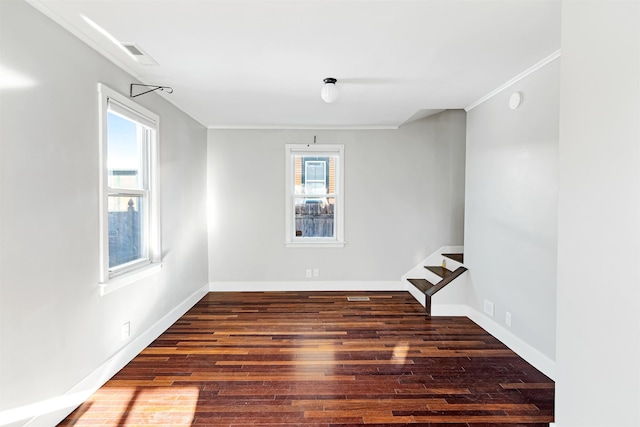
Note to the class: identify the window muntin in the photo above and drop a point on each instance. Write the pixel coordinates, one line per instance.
(129, 205)
(314, 195)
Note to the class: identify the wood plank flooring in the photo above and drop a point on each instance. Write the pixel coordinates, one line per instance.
(316, 359)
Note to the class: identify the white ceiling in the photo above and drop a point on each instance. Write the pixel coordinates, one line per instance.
(260, 64)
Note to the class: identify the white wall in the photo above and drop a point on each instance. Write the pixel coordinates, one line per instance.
(598, 322)
(511, 207)
(404, 198)
(55, 329)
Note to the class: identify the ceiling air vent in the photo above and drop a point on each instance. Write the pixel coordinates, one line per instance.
(139, 54)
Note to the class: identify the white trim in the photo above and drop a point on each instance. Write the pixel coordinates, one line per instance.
(521, 348)
(51, 411)
(108, 98)
(129, 277)
(336, 150)
(310, 285)
(129, 110)
(103, 202)
(315, 243)
(449, 310)
(549, 59)
(295, 127)
(524, 350)
(152, 119)
(136, 111)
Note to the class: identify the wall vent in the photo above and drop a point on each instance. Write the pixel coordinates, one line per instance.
(133, 49)
(140, 55)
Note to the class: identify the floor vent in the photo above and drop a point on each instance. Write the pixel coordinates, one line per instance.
(358, 299)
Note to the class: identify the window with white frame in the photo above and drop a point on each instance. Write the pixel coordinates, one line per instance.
(129, 217)
(314, 195)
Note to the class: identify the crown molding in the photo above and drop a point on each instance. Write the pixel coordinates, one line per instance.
(549, 59)
(317, 127)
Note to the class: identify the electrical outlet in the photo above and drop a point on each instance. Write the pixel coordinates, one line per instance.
(507, 319)
(308, 273)
(125, 332)
(316, 272)
(488, 307)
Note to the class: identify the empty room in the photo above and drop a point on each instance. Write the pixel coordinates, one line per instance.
(320, 213)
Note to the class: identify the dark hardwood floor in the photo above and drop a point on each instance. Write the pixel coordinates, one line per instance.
(316, 359)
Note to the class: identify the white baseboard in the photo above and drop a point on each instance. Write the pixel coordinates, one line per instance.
(449, 310)
(521, 348)
(50, 412)
(311, 285)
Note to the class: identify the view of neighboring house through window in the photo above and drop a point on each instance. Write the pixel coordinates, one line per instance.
(129, 207)
(315, 175)
(314, 195)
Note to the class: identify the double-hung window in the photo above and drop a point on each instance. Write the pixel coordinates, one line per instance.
(314, 195)
(130, 233)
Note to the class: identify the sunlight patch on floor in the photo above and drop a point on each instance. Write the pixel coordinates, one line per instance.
(134, 406)
(400, 352)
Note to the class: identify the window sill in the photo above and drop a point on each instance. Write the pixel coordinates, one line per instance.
(315, 244)
(129, 278)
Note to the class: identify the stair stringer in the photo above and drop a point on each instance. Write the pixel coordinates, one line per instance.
(450, 300)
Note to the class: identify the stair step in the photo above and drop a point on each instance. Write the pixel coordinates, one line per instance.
(440, 271)
(429, 289)
(456, 257)
(422, 284)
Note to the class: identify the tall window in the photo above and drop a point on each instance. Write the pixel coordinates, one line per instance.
(128, 181)
(314, 199)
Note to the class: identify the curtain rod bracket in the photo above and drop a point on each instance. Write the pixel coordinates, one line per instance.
(153, 88)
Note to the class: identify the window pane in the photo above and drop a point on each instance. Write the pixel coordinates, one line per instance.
(314, 174)
(123, 152)
(315, 171)
(315, 216)
(126, 229)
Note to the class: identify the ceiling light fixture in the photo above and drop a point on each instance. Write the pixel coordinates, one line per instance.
(329, 91)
